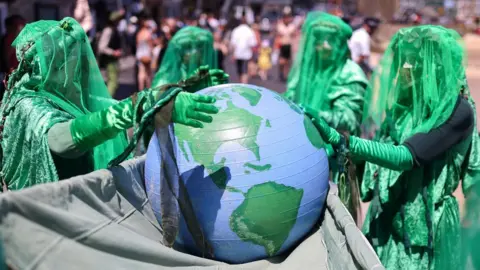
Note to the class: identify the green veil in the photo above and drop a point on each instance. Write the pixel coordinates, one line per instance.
(322, 61)
(414, 90)
(57, 79)
(189, 49)
(418, 81)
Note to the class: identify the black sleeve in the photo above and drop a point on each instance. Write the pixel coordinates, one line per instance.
(426, 147)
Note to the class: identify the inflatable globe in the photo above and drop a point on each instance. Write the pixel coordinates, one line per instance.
(257, 176)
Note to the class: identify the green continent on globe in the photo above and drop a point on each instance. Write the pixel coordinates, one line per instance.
(267, 215)
(260, 168)
(268, 124)
(252, 95)
(312, 134)
(231, 125)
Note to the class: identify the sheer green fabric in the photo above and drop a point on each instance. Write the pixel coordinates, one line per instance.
(189, 49)
(413, 220)
(417, 82)
(323, 77)
(57, 80)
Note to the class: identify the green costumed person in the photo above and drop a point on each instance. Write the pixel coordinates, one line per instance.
(427, 142)
(324, 79)
(190, 50)
(57, 117)
(189, 53)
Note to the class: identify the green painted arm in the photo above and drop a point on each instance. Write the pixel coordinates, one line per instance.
(386, 155)
(211, 77)
(95, 128)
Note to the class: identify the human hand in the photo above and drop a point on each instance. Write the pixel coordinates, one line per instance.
(329, 135)
(193, 110)
(218, 76)
(206, 78)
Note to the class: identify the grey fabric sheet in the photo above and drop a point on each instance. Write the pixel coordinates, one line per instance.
(103, 220)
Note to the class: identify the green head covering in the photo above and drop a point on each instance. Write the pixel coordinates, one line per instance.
(418, 81)
(57, 60)
(189, 49)
(56, 64)
(322, 60)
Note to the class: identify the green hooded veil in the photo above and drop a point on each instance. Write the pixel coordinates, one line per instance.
(57, 80)
(323, 77)
(189, 49)
(417, 83)
(413, 221)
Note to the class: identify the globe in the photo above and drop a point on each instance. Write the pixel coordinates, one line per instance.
(256, 177)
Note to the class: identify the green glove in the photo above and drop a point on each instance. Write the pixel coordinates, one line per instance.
(95, 128)
(192, 109)
(329, 134)
(204, 77)
(386, 155)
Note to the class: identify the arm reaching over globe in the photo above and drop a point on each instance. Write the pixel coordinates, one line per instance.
(93, 129)
(418, 150)
(58, 118)
(209, 77)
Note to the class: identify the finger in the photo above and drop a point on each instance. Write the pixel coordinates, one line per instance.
(203, 98)
(193, 123)
(200, 117)
(215, 72)
(206, 108)
(310, 112)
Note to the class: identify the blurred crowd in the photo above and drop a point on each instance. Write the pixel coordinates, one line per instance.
(253, 45)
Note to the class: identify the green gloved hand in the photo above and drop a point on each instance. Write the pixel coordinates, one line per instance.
(330, 135)
(386, 155)
(95, 128)
(193, 110)
(204, 77)
(289, 95)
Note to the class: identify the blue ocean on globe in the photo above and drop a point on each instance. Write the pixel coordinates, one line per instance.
(257, 176)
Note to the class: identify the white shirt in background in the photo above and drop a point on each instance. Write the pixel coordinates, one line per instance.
(360, 44)
(243, 40)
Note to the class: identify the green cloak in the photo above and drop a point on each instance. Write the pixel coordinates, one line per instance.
(57, 80)
(413, 220)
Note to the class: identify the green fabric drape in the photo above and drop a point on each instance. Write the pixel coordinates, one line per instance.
(413, 220)
(189, 49)
(57, 80)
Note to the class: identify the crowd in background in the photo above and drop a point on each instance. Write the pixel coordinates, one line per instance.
(243, 42)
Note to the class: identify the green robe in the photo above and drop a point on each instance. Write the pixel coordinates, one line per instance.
(403, 203)
(27, 159)
(57, 80)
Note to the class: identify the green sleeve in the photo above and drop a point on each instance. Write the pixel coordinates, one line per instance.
(346, 108)
(95, 128)
(386, 155)
(390, 156)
